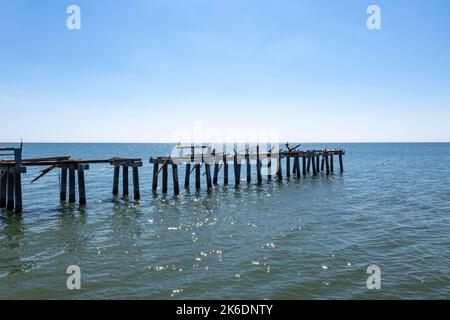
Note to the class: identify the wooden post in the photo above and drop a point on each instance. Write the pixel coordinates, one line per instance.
(258, 165)
(125, 180)
(225, 170)
(269, 165)
(279, 168)
(309, 164)
(331, 163)
(155, 175)
(313, 162)
(317, 164)
(288, 166)
(327, 164)
(136, 191)
(116, 180)
(208, 175)
(18, 192)
(237, 171)
(10, 200)
(341, 165)
(216, 173)
(187, 175)
(197, 176)
(63, 185)
(249, 168)
(304, 165)
(3, 187)
(81, 186)
(71, 185)
(323, 162)
(164, 178)
(176, 187)
(297, 165)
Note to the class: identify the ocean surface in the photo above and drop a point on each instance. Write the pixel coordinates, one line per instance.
(297, 239)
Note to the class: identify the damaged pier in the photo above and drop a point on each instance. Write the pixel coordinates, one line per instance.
(200, 160)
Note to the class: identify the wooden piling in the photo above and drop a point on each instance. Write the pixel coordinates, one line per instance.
(176, 187)
(155, 176)
(164, 178)
(208, 175)
(317, 164)
(309, 164)
(288, 167)
(237, 171)
(125, 182)
(341, 165)
(197, 176)
(63, 185)
(249, 168)
(331, 163)
(187, 175)
(323, 163)
(81, 186)
(258, 165)
(269, 166)
(10, 200)
(279, 169)
(216, 173)
(297, 166)
(304, 165)
(225, 170)
(18, 192)
(313, 162)
(327, 163)
(115, 190)
(71, 185)
(136, 191)
(3, 187)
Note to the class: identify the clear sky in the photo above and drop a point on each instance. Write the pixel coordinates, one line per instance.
(139, 70)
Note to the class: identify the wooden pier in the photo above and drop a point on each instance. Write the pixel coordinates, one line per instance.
(198, 158)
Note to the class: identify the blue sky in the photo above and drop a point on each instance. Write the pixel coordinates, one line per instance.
(138, 70)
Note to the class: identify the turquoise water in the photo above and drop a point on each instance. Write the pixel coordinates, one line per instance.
(308, 239)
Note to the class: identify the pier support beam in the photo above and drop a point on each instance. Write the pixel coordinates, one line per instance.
(164, 178)
(197, 176)
(115, 190)
(297, 167)
(63, 185)
(225, 170)
(317, 164)
(176, 186)
(341, 165)
(279, 169)
(237, 171)
(208, 175)
(187, 175)
(288, 167)
(3, 186)
(71, 185)
(313, 162)
(331, 163)
(10, 200)
(136, 191)
(155, 176)
(18, 192)
(216, 173)
(304, 165)
(309, 165)
(258, 166)
(125, 181)
(81, 186)
(327, 163)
